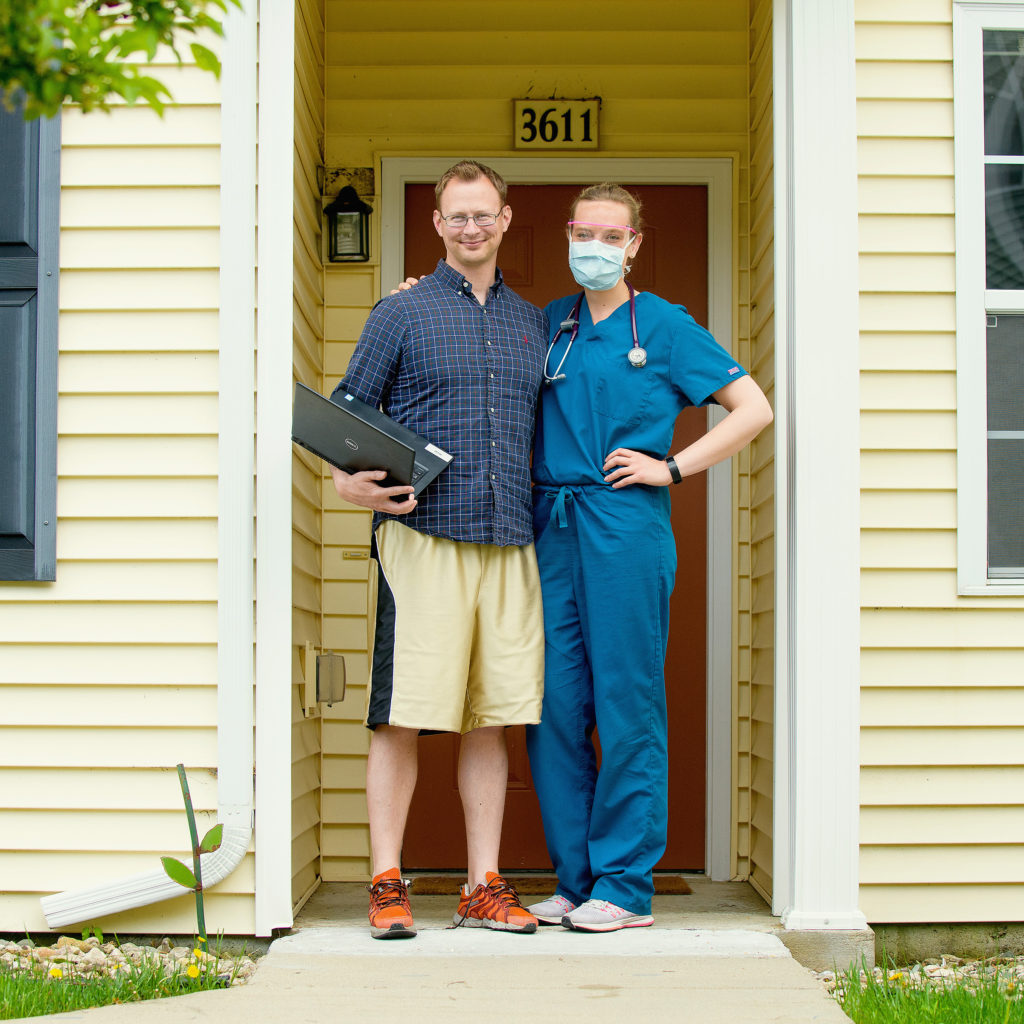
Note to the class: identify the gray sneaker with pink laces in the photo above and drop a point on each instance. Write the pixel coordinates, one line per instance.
(551, 910)
(602, 916)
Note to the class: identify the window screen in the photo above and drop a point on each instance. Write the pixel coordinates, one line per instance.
(1005, 393)
(1004, 158)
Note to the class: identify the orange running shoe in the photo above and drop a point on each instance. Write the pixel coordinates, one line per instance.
(494, 905)
(390, 913)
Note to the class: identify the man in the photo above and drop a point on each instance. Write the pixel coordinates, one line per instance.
(459, 639)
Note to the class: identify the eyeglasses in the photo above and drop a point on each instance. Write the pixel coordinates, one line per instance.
(618, 235)
(481, 220)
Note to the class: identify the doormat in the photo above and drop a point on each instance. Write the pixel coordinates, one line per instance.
(532, 885)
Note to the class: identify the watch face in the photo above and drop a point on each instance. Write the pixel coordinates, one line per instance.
(637, 356)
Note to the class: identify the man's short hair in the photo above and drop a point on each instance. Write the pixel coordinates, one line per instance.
(470, 170)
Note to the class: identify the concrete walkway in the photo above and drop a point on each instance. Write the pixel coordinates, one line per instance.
(702, 965)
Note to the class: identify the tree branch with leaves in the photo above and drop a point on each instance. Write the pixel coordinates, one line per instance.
(88, 53)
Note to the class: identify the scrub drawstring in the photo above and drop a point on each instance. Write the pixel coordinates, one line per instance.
(558, 509)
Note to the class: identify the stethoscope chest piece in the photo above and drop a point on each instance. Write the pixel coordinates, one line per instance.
(637, 356)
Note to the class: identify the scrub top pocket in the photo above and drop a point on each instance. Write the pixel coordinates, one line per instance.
(624, 394)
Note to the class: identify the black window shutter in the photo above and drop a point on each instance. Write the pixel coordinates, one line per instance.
(29, 215)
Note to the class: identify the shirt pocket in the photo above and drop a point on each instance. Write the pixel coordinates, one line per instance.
(622, 392)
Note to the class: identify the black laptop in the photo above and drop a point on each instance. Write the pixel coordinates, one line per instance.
(354, 436)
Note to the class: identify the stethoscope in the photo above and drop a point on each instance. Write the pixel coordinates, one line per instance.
(637, 355)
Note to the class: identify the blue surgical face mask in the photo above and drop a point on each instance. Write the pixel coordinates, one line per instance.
(595, 264)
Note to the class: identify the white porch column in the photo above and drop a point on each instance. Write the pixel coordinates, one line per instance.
(274, 467)
(818, 515)
(236, 420)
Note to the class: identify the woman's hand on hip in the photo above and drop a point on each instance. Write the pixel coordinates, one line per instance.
(625, 467)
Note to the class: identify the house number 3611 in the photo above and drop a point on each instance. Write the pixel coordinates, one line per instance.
(556, 124)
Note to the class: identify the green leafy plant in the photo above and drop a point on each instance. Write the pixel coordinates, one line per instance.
(86, 51)
(896, 998)
(192, 878)
(89, 930)
(38, 989)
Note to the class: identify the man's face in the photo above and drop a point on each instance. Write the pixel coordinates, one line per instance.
(471, 245)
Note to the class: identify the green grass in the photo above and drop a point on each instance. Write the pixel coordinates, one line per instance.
(891, 1001)
(33, 992)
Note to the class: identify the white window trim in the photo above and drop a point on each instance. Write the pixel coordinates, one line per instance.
(717, 173)
(970, 17)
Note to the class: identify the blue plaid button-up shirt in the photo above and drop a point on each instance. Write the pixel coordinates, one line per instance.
(465, 377)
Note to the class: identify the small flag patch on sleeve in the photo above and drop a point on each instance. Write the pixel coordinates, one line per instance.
(735, 369)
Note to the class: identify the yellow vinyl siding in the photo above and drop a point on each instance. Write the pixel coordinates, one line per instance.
(394, 86)
(121, 207)
(117, 331)
(154, 166)
(349, 294)
(307, 471)
(942, 701)
(176, 916)
(165, 249)
(346, 843)
(755, 703)
(110, 674)
(920, 788)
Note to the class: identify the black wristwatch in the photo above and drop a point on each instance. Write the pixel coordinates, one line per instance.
(677, 477)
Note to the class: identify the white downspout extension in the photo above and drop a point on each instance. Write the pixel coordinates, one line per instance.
(235, 503)
(101, 901)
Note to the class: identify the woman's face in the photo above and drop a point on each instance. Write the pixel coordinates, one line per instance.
(606, 221)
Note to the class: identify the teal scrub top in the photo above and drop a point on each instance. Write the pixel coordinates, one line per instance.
(604, 403)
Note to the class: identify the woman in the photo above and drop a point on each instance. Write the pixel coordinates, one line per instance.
(620, 368)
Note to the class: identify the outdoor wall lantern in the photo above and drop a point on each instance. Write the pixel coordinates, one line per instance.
(348, 228)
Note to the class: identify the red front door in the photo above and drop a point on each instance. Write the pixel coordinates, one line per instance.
(673, 263)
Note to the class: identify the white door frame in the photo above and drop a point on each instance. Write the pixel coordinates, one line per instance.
(718, 175)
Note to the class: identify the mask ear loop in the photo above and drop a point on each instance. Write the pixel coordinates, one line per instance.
(627, 269)
(636, 235)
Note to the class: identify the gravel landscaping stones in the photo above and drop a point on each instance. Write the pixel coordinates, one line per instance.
(944, 972)
(92, 958)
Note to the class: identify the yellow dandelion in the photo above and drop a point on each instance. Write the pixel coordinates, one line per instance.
(202, 940)
(56, 972)
(192, 971)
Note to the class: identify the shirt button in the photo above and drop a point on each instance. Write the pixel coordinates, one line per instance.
(494, 444)
(492, 376)
(492, 407)
(493, 477)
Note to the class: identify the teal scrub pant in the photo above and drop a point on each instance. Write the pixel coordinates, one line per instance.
(607, 564)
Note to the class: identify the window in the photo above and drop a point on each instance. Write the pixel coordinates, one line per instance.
(988, 65)
(29, 202)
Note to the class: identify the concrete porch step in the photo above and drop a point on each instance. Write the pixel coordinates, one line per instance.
(436, 940)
